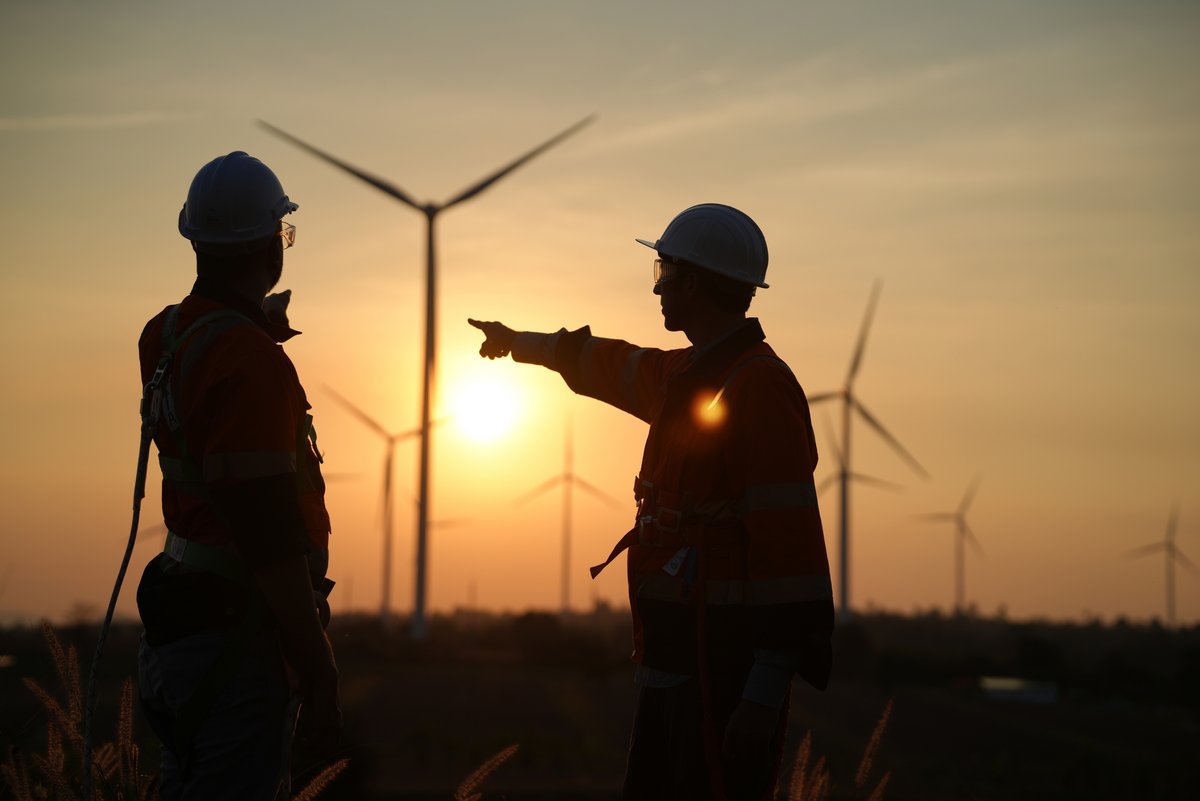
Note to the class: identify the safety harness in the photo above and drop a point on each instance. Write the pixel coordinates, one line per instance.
(186, 474)
(666, 520)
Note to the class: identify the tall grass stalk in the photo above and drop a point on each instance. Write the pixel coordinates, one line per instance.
(466, 790)
(812, 781)
(58, 774)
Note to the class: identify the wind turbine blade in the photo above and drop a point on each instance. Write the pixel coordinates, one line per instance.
(598, 493)
(861, 345)
(891, 440)
(970, 494)
(475, 189)
(1173, 521)
(380, 184)
(876, 482)
(1187, 563)
(544, 487)
(366, 419)
(970, 537)
(936, 516)
(823, 396)
(1145, 549)
(828, 482)
(403, 435)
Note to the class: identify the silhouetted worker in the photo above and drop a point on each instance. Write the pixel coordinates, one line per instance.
(233, 607)
(728, 576)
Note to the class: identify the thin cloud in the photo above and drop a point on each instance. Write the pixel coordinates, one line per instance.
(91, 122)
(796, 99)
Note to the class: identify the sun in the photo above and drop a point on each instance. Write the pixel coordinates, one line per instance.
(483, 408)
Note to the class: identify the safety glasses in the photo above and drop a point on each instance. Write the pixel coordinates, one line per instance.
(665, 270)
(288, 232)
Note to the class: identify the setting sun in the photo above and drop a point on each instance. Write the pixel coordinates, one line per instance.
(483, 408)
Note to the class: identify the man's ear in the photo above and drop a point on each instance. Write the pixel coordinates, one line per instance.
(691, 284)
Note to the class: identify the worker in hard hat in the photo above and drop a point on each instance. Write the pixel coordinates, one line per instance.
(233, 607)
(728, 576)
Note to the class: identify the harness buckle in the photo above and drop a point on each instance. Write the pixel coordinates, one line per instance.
(164, 364)
(643, 523)
(668, 520)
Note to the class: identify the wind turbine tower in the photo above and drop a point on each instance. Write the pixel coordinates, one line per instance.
(390, 439)
(428, 373)
(851, 404)
(1173, 555)
(569, 480)
(962, 535)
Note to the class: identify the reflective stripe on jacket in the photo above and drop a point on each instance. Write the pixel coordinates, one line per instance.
(240, 413)
(726, 499)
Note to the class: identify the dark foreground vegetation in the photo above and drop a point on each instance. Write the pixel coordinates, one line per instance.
(1101, 711)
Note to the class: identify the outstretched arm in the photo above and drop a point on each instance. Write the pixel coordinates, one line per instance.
(610, 370)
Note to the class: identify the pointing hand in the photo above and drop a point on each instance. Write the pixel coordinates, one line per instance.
(499, 339)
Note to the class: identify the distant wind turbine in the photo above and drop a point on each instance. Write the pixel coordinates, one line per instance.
(569, 481)
(962, 533)
(843, 474)
(850, 402)
(391, 439)
(428, 375)
(1174, 555)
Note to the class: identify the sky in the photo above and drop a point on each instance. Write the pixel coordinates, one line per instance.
(1021, 177)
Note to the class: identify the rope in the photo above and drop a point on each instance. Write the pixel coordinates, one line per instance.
(149, 424)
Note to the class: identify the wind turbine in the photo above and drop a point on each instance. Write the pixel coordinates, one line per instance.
(391, 439)
(844, 474)
(850, 402)
(430, 210)
(962, 533)
(569, 481)
(1173, 555)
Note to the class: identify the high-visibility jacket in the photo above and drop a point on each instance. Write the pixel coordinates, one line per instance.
(239, 414)
(728, 529)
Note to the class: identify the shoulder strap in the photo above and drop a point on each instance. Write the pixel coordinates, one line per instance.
(171, 343)
(183, 470)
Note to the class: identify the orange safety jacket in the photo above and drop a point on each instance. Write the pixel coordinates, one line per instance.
(728, 528)
(234, 412)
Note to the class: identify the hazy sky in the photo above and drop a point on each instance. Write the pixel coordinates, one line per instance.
(1022, 176)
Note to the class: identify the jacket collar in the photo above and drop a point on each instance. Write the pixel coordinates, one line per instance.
(715, 356)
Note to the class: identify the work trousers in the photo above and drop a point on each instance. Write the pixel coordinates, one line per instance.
(667, 759)
(241, 749)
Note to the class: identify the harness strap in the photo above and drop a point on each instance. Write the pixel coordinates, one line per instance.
(630, 538)
(224, 563)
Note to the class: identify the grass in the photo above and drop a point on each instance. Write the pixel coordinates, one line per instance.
(812, 781)
(57, 774)
(118, 775)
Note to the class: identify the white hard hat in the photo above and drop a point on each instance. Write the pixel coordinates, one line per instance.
(718, 238)
(234, 198)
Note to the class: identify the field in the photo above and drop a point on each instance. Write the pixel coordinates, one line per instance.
(1105, 711)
